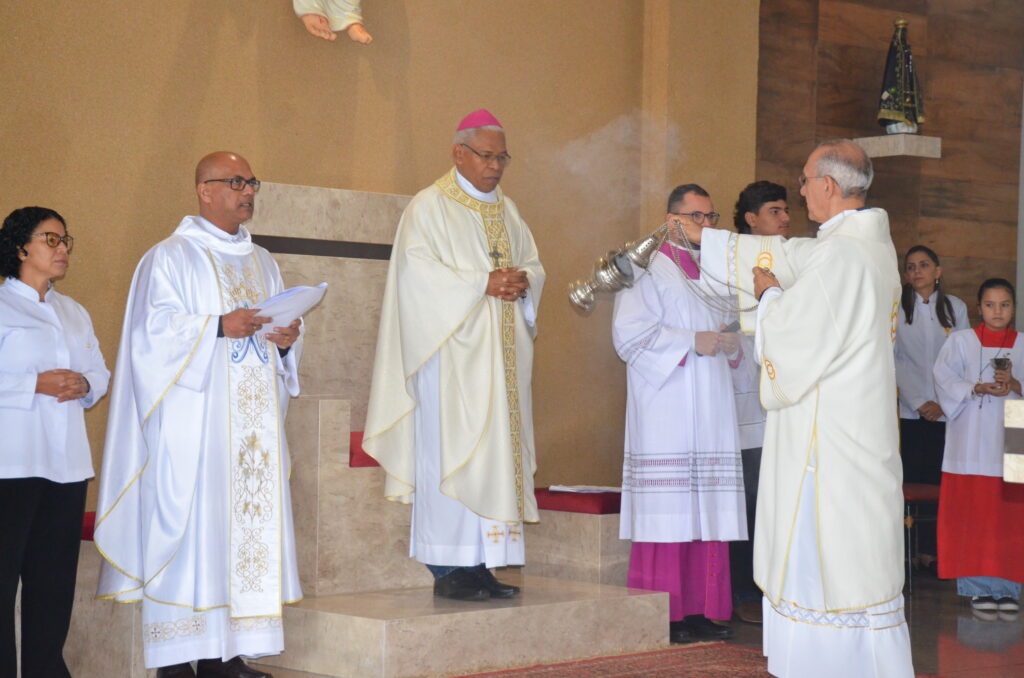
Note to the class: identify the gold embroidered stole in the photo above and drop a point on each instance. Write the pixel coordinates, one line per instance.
(255, 454)
(500, 250)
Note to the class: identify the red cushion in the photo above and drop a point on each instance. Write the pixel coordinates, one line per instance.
(88, 525)
(599, 503)
(920, 492)
(356, 456)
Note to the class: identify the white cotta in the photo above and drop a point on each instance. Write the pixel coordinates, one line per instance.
(917, 346)
(682, 478)
(180, 475)
(974, 428)
(435, 305)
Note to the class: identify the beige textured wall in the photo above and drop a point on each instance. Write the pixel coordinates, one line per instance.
(107, 106)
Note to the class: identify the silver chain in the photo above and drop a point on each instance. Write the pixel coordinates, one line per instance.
(712, 301)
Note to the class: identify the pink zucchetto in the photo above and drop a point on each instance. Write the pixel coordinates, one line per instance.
(480, 118)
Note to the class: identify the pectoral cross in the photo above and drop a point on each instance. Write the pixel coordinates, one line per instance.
(495, 533)
(496, 255)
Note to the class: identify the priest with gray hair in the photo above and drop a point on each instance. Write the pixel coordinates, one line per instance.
(828, 543)
(449, 416)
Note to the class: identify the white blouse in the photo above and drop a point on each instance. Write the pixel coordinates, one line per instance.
(41, 437)
(917, 347)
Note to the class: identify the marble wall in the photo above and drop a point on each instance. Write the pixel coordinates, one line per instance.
(349, 538)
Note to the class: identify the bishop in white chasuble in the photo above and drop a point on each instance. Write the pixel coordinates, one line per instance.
(194, 514)
(475, 353)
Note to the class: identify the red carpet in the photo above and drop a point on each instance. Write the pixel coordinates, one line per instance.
(712, 660)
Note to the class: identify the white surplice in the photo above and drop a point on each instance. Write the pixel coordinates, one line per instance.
(450, 410)
(194, 512)
(917, 347)
(830, 506)
(974, 434)
(682, 478)
(746, 380)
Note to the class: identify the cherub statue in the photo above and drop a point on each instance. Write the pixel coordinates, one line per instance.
(323, 18)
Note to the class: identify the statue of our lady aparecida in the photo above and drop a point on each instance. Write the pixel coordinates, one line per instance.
(901, 105)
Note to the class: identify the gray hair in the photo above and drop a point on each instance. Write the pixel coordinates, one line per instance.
(464, 136)
(847, 164)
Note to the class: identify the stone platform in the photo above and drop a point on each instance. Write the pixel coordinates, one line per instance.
(578, 546)
(406, 633)
(369, 611)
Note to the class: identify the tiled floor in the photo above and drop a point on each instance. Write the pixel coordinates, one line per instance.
(948, 640)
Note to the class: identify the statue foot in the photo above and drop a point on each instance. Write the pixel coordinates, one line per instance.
(359, 34)
(318, 25)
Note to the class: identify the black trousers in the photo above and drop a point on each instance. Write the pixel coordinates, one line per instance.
(40, 535)
(741, 553)
(922, 444)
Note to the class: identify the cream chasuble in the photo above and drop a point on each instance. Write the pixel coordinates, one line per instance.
(434, 305)
(194, 509)
(828, 385)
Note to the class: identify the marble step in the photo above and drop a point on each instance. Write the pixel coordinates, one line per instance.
(406, 633)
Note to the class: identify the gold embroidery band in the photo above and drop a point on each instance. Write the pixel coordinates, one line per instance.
(254, 468)
(493, 216)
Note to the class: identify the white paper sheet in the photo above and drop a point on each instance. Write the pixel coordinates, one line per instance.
(285, 307)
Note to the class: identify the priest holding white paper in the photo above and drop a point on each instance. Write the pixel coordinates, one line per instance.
(829, 537)
(194, 514)
(449, 416)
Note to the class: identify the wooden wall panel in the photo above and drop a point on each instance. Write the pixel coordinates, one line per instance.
(978, 239)
(970, 59)
(952, 38)
(859, 25)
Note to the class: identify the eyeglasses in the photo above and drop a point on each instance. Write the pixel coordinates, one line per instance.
(237, 183)
(699, 217)
(802, 179)
(55, 239)
(502, 159)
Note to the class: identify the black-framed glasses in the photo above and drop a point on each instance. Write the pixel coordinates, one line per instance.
(503, 159)
(803, 179)
(699, 217)
(55, 239)
(237, 183)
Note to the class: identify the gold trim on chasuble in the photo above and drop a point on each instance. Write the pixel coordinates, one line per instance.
(500, 250)
(255, 470)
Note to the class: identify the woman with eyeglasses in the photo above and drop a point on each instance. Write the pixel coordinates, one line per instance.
(51, 370)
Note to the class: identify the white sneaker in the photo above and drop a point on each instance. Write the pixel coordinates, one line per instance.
(984, 603)
(1007, 605)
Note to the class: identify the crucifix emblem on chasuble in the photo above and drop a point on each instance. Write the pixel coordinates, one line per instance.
(495, 254)
(496, 533)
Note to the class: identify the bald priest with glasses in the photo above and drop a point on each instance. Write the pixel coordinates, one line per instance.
(449, 415)
(194, 513)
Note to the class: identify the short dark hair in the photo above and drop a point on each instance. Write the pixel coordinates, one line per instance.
(752, 198)
(993, 283)
(16, 231)
(680, 192)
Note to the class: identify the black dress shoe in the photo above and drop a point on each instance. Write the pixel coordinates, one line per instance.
(176, 671)
(461, 584)
(233, 668)
(493, 586)
(697, 627)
